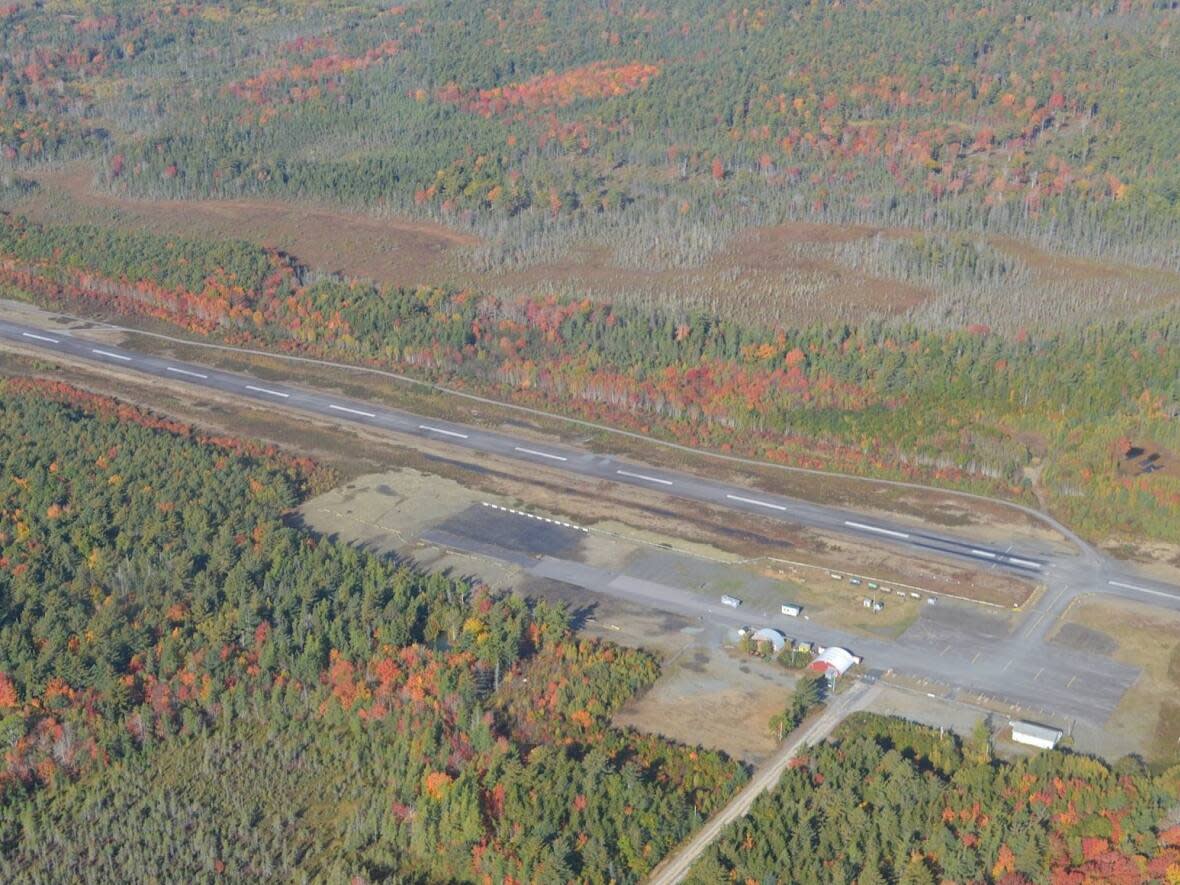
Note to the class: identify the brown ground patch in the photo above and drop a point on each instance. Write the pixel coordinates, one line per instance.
(714, 697)
(400, 251)
(766, 274)
(1146, 458)
(761, 273)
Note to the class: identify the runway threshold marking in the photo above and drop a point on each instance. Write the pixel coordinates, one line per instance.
(756, 502)
(541, 454)
(1139, 589)
(114, 356)
(442, 431)
(267, 391)
(349, 411)
(40, 337)
(644, 476)
(875, 528)
(177, 371)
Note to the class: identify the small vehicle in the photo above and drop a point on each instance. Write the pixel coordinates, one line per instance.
(731, 601)
(791, 611)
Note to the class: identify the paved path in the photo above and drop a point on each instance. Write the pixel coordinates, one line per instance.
(676, 866)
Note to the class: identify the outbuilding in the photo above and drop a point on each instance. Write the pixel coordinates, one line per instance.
(835, 661)
(768, 634)
(1043, 736)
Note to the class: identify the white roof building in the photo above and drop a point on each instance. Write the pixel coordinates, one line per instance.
(835, 659)
(1043, 736)
(767, 634)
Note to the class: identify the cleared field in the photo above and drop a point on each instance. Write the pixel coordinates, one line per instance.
(1149, 715)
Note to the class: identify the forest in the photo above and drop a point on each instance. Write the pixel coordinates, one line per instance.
(187, 681)
(885, 800)
(538, 124)
(972, 408)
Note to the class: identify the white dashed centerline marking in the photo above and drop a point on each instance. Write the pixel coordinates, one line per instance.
(1139, 589)
(351, 411)
(643, 476)
(442, 431)
(40, 337)
(185, 372)
(114, 356)
(267, 391)
(875, 528)
(541, 454)
(756, 502)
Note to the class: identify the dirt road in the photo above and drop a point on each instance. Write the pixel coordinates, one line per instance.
(676, 866)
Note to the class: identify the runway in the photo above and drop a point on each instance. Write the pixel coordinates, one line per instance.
(1017, 664)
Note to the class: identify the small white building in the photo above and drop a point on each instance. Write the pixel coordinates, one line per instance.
(1043, 736)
